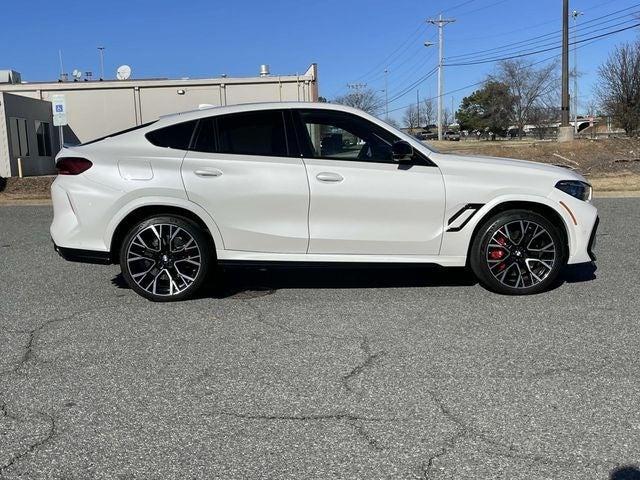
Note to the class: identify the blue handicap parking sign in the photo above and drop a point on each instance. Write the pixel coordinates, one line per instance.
(59, 108)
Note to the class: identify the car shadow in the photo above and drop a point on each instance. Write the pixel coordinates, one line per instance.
(625, 473)
(578, 273)
(252, 281)
(249, 282)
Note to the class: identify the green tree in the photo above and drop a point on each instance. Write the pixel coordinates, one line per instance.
(490, 108)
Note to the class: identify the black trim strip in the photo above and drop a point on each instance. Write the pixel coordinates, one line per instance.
(83, 256)
(592, 240)
(470, 206)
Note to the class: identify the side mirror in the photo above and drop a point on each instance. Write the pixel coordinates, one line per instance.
(402, 151)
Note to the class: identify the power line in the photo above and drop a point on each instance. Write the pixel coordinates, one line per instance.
(413, 85)
(551, 44)
(385, 62)
(527, 54)
(539, 38)
(466, 87)
(528, 27)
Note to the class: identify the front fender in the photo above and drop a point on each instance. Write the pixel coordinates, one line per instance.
(457, 243)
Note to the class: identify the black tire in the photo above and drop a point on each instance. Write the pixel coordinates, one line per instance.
(507, 260)
(166, 258)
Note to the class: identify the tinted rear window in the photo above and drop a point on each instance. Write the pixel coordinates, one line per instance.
(253, 133)
(176, 136)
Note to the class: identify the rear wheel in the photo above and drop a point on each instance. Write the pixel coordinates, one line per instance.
(165, 258)
(517, 252)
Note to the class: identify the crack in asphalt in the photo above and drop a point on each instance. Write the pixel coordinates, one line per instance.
(504, 450)
(447, 446)
(28, 356)
(370, 360)
(259, 316)
(29, 353)
(368, 438)
(304, 418)
(34, 446)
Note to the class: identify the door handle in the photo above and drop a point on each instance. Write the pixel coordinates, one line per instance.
(208, 172)
(329, 177)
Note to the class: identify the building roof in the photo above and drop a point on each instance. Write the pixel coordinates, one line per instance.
(309, 75)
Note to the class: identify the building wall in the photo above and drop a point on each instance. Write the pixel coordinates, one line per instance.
(98, 108)
(30, 110)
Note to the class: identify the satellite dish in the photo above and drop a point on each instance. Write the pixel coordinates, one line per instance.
(76, 73)
(123, 72)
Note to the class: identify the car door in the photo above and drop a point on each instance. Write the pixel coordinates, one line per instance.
(362, 201)
(240, 169)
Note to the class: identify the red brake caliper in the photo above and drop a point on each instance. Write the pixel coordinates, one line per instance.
(498, 253)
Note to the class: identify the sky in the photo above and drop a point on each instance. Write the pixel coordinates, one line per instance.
(352, 41)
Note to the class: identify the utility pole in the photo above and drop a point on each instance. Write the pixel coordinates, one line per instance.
(101, 50)
(575, 14)
(441, 23)
(566, 132)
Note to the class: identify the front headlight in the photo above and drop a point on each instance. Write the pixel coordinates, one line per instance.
(575, 188)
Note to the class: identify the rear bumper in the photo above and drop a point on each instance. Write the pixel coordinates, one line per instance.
(83, 256)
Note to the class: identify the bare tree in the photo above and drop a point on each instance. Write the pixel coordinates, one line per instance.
(428, 112)
(532, 89)
(410, 117)
(619, 87)
(447, 118)
(393, 122)
(367, 100)
(542, 118)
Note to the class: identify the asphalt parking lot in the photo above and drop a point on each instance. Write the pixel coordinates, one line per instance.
(299, 373)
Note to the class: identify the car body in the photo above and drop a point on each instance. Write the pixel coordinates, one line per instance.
(452, 136)
(296, 182)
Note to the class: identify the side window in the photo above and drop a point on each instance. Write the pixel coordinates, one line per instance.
(176, 136)
(343, 136)
(205, 140)
(252, 133)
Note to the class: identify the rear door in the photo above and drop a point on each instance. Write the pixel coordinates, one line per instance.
(362, 201)
(242, 170)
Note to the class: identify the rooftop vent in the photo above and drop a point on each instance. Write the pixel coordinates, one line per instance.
(264, 70)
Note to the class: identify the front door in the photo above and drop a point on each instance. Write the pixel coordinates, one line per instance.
(240, 170)
(362, 201)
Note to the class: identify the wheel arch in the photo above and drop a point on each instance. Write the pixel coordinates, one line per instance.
(547, 211)
(135, 214)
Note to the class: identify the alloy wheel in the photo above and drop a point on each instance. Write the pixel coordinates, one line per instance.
(164, 259)
(521, 254)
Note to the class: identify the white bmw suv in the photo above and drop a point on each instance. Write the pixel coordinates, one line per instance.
(309, 182)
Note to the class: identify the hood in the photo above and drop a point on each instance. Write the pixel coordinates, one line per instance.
(497, 165)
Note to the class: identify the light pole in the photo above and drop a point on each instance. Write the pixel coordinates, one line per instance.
(575, 14)
(440, 23)
(101, 50)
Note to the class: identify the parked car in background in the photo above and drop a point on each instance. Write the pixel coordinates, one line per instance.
(277, 182)
(451, 135)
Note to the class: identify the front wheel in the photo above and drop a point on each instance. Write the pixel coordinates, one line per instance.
(165, 258)
(517, 252)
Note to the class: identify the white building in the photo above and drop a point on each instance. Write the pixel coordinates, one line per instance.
(97, 108)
